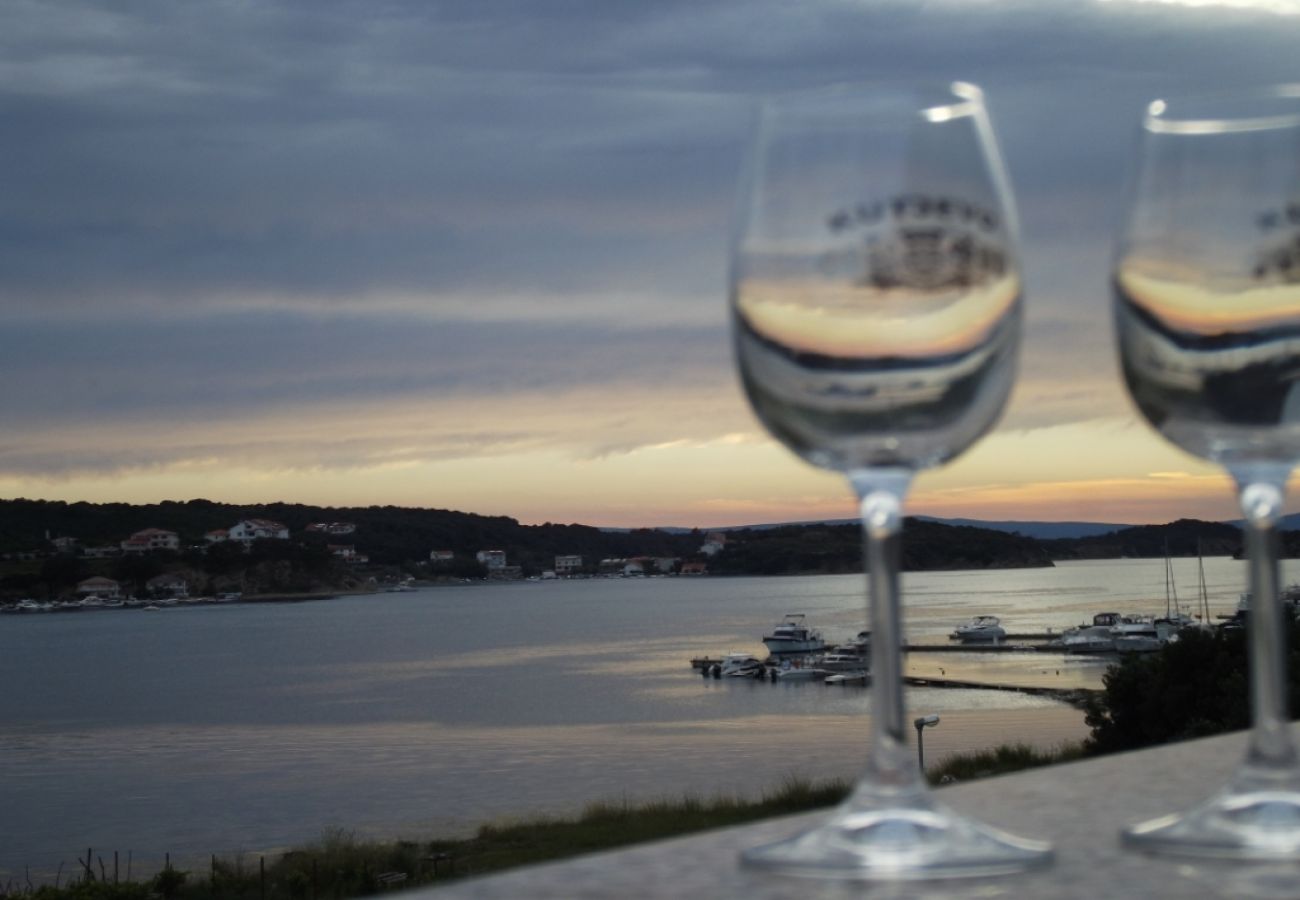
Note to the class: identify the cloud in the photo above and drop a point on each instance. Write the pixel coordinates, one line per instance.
(340, 234)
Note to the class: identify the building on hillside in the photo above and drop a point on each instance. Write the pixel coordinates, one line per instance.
(567, 565)
(67, 545)
(99, 586)
(492, 559)
(250, 530)
(151, 539)
(346, 552)
(611, 566)
(506, 573)
(442, 556)
(103, 551)
(217, 536)
(331, 528)
(714, 542)
(664, 564)
(168, 584)
(695, 568)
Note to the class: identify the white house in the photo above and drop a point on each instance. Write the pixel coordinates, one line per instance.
(250, 530)
(168, 584)
(151, 539)
(714, 543)
(65, 544)
(332, 527)
(493, 559)
(567, 565)
(99, 586)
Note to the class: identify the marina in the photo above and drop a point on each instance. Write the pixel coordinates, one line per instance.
(246, 727)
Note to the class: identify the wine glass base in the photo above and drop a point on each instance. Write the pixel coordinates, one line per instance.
(1256, 817)
(923, 840)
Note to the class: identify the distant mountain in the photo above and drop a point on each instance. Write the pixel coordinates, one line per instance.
(1286, 523)
(1185, 537)
(1040, 530)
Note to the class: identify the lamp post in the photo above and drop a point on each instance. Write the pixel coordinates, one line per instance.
(921, 724)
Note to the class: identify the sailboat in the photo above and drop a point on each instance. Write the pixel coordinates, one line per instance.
(1175, 620)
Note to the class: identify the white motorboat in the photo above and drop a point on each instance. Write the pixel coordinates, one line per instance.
(792, 635)
(1094, 638)
(1136, 634)
(737, 665)
(858, 677)
(980, 628)
(843, 659)
(789, 671)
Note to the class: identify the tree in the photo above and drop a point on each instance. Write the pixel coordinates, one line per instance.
(1192, 687)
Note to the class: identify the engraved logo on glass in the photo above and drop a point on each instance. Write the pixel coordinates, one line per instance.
(920, 242)
(1279, 258)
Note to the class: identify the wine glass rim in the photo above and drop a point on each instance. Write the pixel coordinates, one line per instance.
(1272, 107)
(936, 101)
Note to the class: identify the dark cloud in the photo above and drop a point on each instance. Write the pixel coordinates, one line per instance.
(225, 207)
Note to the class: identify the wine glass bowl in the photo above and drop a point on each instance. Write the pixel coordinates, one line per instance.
(1207, 315)
(875, 298)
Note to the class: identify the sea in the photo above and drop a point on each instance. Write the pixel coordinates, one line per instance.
(251, 728)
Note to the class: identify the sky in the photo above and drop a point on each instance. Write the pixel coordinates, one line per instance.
(471, 254)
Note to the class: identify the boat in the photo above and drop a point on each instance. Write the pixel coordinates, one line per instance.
(858, 677)
(980, 628)
(1136, 634)
(737, 665)
(843, 660)
(799, 671)
(792, 635)
(1094, 638)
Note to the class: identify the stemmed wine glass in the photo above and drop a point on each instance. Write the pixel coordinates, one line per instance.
(1207, 312)
(875, 298)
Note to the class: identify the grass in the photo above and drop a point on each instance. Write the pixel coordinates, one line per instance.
(338, 865)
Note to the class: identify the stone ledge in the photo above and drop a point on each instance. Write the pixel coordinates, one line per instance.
(1078, 806)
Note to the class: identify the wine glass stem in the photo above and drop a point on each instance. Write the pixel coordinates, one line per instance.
(880, 494)
(1270, 740)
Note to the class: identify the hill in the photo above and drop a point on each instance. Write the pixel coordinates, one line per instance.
(1041, 530)
(833, 549)
(1185, 537)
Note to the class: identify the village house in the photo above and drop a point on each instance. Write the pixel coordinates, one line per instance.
(331, 528)
(216, 535)
(169, 584)
(250, 530)
(695, 568)
(441, 556)
(65, 544)
(346, 552)
(151, 539)
(103, 551)
(714, 543)
(567, 565)
(99, 586)
(492, 559)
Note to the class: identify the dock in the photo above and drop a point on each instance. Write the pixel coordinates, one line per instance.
(1077, 697)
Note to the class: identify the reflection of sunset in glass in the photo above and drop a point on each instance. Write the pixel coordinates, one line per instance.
(830, 318)
(1195, 309)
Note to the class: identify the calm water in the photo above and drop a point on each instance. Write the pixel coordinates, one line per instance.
(246, 728)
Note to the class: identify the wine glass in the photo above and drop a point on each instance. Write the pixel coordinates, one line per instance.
(875, 299)
(1207, 313)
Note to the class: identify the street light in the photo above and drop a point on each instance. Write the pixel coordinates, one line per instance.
(921, 724)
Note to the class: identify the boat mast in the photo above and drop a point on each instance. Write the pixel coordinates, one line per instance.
(1171, 591)
(1205, 594)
